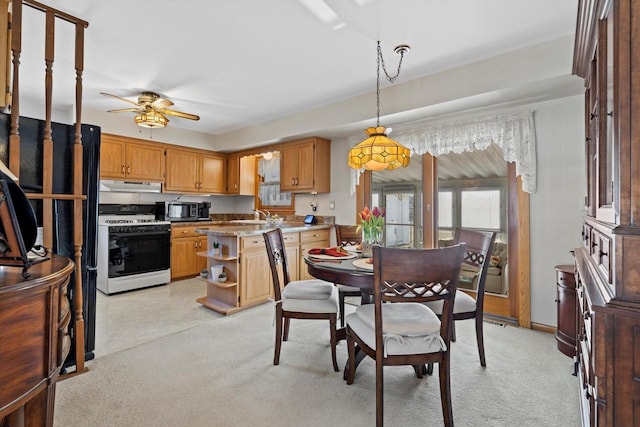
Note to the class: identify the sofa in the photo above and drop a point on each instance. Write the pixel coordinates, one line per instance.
(497, 281)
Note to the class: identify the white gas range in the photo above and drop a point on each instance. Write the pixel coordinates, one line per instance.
(134, 249)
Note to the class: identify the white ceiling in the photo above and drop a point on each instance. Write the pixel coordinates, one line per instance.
(238, 63)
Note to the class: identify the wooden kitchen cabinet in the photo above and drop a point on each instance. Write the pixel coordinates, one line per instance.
(185, 244)
(308, 240)
(255, 273)
(256, 284)
(194, 171)
(241, 172)
(306, 166)
(221, 297)
(126, 158)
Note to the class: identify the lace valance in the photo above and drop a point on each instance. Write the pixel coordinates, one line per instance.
(514, 133)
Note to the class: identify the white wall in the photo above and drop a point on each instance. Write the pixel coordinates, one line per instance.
(557, 208)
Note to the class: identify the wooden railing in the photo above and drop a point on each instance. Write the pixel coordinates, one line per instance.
(47, 196)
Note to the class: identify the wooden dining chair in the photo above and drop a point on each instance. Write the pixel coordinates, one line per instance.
(405, 331)
(479, 248)
(347, 235)
(299, 299)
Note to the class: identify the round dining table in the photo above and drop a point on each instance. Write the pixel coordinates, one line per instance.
(344, 272)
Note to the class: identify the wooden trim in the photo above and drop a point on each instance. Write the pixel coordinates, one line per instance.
(430, 204)
(518, 247)
(543, 328)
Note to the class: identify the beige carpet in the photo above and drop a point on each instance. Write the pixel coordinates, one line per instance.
(221, 374)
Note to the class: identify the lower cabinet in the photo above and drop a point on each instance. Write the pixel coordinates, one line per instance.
(308, 240)
(246, 263)
(255, 273)
(185, 244)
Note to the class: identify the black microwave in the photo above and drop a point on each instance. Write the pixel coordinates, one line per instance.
(177, 211)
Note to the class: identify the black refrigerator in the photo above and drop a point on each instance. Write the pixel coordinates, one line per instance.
(31, 136)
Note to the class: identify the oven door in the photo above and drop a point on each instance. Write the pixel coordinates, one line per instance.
(138, 252)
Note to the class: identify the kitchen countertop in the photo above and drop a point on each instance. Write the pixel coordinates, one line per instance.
(223, 228)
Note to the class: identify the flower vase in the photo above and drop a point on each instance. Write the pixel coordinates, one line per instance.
(370, 238)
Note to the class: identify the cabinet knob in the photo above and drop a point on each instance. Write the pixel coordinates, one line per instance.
(602, 253)
(592, 116)
(586, 315)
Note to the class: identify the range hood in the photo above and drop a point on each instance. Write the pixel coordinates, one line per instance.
(130, 186)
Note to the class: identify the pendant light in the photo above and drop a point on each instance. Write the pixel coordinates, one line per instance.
(379, 152)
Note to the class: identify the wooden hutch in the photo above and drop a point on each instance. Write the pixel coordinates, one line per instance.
(607, 48)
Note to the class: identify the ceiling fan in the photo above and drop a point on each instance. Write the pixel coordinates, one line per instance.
(151, 110)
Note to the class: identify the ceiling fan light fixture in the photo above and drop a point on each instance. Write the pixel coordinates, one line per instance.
(151, 119)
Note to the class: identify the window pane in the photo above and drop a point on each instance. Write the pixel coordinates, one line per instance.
(480, 209)
(445, 209)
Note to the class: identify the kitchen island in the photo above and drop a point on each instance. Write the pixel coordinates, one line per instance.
(238, 249)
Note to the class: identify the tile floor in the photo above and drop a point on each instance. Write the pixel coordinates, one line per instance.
(131, 318)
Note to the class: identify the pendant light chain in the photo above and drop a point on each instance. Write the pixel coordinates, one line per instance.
(392, 79)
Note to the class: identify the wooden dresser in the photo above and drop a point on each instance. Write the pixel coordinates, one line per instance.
(607, 48)
(34, 342)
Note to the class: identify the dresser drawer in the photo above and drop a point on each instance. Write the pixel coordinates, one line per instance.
(290, 238)
(250, 242)
(314, 236)
(177, 232)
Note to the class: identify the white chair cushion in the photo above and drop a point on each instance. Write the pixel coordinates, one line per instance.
(329, 304)
(408, 319)
(463, 304)
(396, 344)
(308, 289)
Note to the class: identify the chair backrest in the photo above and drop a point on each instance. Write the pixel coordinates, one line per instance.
(416, 275)
(479, 249)
(277, 257)
(347, 235)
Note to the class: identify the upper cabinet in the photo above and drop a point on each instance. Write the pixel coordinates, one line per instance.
(241, 175)
(131, 159)
(306, 165)
(195, 171)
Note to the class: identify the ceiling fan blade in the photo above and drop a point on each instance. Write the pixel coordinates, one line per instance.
(128, 110)
(161, 103)
(180, 114)
(119, 97)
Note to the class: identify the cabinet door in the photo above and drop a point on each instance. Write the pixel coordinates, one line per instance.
(182, 171)
(293, 258)
(233, 175)
(211, 174)
(112, 159)
(183, 257)
(201, 261)
(255, 276)
(288, 168)
(145, 162)
(306, 165)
